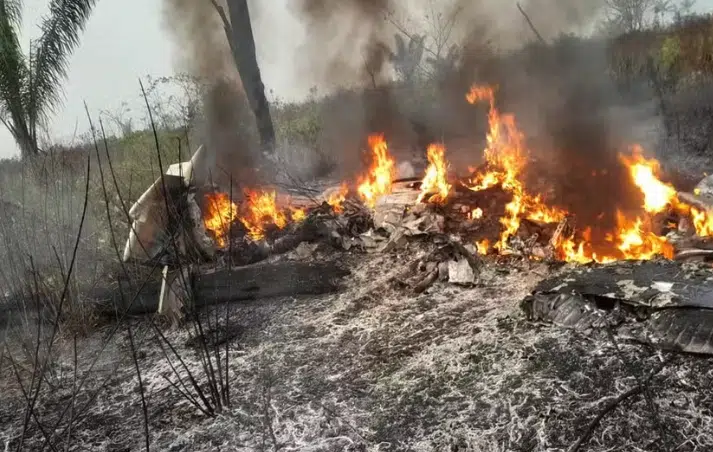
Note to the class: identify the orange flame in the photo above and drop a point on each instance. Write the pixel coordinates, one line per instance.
(262, 211)
(633, 240)
(483, 246)
(219, 214)
(637, 242)
(659, 195)
(435, 178)
(644, 173)
(298, 215)
(476, 214)
(336, 199)
(702, 222)
(381, 173)
(506, 157)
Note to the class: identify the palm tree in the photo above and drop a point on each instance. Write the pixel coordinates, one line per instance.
(30, 85)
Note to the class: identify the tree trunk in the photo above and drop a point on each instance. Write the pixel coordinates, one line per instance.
(242, 44)
(25, 141)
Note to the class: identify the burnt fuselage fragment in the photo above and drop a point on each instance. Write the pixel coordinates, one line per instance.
(666, 303)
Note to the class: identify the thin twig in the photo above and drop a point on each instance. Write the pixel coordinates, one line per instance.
(208, 407)
(532, 26)
(103, 346)
(141, 386)
(647, 392)
(636, 390)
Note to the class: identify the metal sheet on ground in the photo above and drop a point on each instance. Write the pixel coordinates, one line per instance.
(657, 283)
(670, 304)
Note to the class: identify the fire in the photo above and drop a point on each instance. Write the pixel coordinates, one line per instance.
(644, 172)
(261, 211)
(381, 174)
(659, 195)
(637, 242)
(506, 157)
(632, 240)
(220, 212)
(435, 180)
(298, 215)
(702, 222)
(336, 199)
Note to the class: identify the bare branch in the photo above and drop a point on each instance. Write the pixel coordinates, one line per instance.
(532, 26)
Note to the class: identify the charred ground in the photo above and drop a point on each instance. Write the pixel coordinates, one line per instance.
(377, 368)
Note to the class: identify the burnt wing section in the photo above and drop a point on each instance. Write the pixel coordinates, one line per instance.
(687, 330)
(567, 310)
(654, 284)
(666, 303)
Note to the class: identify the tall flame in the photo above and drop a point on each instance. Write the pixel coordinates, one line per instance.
(644, 173)
(381, 174)
(506, 157)
(659, 195)
(435, 179)
(219, 214)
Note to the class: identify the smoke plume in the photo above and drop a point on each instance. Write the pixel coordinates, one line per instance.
(204, 52)
(345, 43)
(201, 44)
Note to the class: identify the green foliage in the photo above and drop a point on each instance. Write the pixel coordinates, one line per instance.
(681, 51)
(669, 54)
(303, 129)
(30, 86)
(298, 123)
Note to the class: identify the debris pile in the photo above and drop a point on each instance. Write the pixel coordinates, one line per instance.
(660, 302)
(490, 212)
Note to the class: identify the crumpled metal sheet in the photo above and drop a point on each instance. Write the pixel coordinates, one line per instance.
(664, 303)
(149, 234)
(566, 310)
(654, 284)
(687, 330)
(684, 330)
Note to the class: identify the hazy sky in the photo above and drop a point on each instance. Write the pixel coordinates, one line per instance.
(126, 39)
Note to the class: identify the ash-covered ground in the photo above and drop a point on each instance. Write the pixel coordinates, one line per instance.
(376, 368)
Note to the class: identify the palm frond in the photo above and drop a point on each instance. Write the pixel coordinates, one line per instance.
(12, 12)
(13, 68)
(49, 59)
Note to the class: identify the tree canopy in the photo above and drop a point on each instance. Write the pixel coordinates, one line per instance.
(31, 85)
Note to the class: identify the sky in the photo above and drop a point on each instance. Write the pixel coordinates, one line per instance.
(127, 39)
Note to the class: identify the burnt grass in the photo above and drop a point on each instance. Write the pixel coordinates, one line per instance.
(377, 367)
